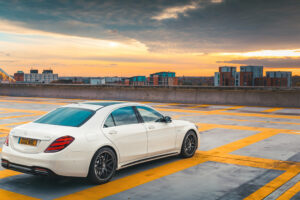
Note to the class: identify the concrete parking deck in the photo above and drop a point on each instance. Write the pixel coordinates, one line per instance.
(245, 153)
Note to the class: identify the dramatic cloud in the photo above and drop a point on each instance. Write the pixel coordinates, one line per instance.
(173, 12)
(185, 25)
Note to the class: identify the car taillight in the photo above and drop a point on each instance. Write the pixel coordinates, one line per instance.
(6, 140)
(59, 144)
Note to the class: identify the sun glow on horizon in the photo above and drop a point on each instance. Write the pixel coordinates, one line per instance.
(265, 53)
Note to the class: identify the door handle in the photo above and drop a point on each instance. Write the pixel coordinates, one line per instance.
(112, 132)
(151, 127)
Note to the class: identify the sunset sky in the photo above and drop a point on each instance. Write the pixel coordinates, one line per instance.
(139, 37)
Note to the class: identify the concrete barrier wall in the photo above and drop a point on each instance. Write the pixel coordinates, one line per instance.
(258, 96)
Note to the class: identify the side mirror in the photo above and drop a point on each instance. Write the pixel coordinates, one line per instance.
(167, 119)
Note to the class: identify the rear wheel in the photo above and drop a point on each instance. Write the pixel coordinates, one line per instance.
(103, 166)
(189, 144)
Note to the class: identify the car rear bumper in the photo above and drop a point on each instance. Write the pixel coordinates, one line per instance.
(25, 169)
(61, 163)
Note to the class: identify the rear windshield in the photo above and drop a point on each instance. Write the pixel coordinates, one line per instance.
(67, 116)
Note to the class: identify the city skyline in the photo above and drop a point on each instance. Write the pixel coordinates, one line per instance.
(114, 38)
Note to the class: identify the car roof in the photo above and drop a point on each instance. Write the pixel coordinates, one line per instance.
(103, 103)
(96, 105)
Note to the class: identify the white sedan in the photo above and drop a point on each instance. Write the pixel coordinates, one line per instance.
(94, 139)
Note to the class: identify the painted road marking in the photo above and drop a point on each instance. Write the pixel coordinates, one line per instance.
(230, 108)
(261, 121)
(271, 110)
(4, 129)
(129, 182)
(7, 195)
(227, 148)
(229, 113)
(19, 116)
(198, 106)
(7, 173)
(32, 102)
(122, 184)
(290, 192)
(219, 154)
(273, 185)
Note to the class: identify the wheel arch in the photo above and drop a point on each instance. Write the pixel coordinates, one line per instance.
(105, 146)
(180, 142)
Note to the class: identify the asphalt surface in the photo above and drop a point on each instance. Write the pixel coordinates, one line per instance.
(245, 153)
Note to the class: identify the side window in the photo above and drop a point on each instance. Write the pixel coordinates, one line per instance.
(124, 116)
(109, 122)
(148, 114)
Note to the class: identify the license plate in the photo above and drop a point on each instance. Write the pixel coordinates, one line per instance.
(28, 141)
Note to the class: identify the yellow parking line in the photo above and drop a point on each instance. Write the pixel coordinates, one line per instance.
(290, 192)
(166, 104)
(205, 127)
(7, 173)
(5, 112)
(24, 111)
(260, 115)
(31, 102)
(7, 195)
(19, 116)
(230, 108)
(129, 182)
(249, 128)
(250, 161)
(273, 185)
(199, 106)
(272, 122)
(229, 113)
(14, 123)
(271, 110)
(51, 98)
(4, 129)
(183, 115)
(227, 148)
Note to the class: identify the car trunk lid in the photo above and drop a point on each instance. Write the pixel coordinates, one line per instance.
(35, 137)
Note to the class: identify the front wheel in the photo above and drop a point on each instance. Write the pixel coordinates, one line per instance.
(189, 144)
(103, 166)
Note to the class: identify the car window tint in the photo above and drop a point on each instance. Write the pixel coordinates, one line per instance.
(66, 116)
(124, 116)
(109, 122)
(148, 114)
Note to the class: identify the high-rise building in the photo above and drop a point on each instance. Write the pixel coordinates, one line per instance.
(163, 78)
(226, 76)
(46, 77)
(19, 76)
(279, 78)
(248, 74)
(138, 80)
(217, 79)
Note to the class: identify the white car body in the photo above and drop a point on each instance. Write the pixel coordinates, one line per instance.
(133, 143)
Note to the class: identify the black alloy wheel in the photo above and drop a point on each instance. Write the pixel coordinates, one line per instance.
(189, 144)
(103, 166)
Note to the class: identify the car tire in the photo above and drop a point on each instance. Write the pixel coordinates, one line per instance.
(103, 166)
(189, 145)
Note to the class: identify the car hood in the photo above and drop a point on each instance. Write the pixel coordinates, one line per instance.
(182, 122)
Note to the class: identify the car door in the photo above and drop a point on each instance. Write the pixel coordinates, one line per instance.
(122, 127)
(161, 135)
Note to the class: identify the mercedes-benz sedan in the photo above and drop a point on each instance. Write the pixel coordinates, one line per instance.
(94, 139)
